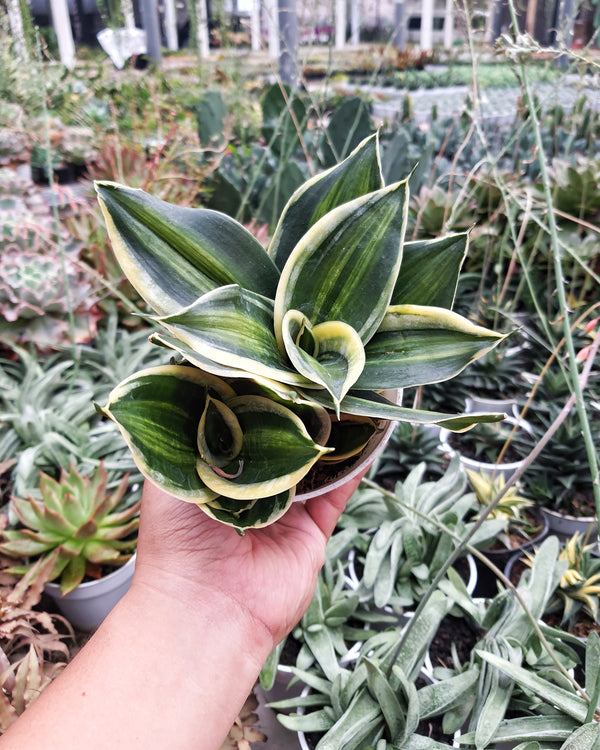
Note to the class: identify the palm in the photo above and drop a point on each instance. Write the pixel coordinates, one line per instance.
(268, 572)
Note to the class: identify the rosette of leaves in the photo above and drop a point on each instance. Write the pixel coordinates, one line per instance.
(38, 293)
(277, 345)
(79, 519)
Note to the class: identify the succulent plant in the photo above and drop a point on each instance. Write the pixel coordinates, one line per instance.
(36, 292)
(278, 345)
(77, 517)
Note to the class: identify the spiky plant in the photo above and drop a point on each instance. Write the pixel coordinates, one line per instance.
(278, 345)
(77, 518)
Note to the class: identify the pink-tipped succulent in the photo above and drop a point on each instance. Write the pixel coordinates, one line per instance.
(79, 518)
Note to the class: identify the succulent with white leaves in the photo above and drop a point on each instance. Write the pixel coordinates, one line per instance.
(276, 347)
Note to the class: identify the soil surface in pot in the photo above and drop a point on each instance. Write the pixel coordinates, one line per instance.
(453, 630)
(518, 536)
(470, 447)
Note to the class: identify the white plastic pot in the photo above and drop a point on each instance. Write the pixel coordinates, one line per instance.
(504, 469)
(86, 606)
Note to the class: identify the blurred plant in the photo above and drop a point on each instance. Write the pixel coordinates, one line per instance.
(33, 647)
(408, 446)
(579, 587)
(80, 519)
(510, 510)
(243, 733)
(39, 292)
(48, 418)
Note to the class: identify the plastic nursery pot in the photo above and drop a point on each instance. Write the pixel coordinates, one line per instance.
(486, 578)
(352, 467)
(479, 404)
(86, 606)
(564, 526)
(504, 469)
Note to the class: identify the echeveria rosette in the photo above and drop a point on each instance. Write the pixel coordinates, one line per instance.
(339, 309)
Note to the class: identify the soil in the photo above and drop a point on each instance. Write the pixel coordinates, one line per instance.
(469, 448)
(579, 505)
(453, 630)
(518, 536)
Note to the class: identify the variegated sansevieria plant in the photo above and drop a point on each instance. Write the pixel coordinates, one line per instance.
(282, 355)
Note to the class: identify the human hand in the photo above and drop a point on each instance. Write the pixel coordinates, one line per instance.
(268, 574)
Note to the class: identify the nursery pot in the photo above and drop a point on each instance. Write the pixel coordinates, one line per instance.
(496, 469)
(346, 470)
(86, 606)
(486, 579)
(478, 404)
(564, 526)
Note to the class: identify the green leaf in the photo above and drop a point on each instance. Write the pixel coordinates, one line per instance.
(566, 701)
(524, 728)
(350, 123)
(158, 411)
(345, 267)
(335, 356)
(384, 694)
(357, 175)
(252, 514)
(586, 737)
(233, 327)
(437, 697)
(210, 115)
(372, 404)
(277, 452)
(172, 255)
(417, 345)
(429, 271)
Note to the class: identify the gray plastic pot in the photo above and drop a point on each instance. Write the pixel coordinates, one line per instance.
(86, 606)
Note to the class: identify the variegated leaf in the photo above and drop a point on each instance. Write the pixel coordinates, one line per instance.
(429, 271)
(372, 404)
(233, 327)
(331, 354)
(172, 255)
(345, 266)
(246, 514)
(158, 411)
(277, 452)
(358, 174)
(416, 345)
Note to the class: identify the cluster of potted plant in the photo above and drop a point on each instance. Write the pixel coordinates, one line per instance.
(274, 372)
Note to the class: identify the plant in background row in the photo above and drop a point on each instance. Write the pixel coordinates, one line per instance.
(414, 536)
(33, 643)
(277, 346)
(77, 518)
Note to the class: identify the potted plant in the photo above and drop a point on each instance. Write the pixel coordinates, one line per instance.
(34, 644)
(275, 347)
(559, 480)
(408, 544)
(512, 633)
(81, 527)
(575, 603)
(522, 525)
(496, 449)
(377, 699)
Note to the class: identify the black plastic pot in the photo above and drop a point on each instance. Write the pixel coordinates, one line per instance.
(486, 579)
